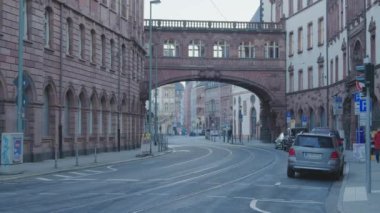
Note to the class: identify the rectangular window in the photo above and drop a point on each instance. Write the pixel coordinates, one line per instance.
(300, 40)
(336, 68)
(93, 47)
(310, 78)
(321, 31)
(26, 13)
(291, 82)
(291, 7)
(300, 80)
(103, 51)
(291, 43)
(344, 66)
(299, 5)
(321, 76)
(81, 41)
(310, 36)
(331, 71)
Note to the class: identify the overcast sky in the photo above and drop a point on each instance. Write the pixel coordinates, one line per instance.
(215, 10)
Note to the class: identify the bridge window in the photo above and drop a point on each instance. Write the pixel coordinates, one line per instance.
(221, 49)
(196, 48)
(271, 50)
(247, 50)
(171, 48)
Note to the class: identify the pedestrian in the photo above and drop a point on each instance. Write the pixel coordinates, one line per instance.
(377, 144)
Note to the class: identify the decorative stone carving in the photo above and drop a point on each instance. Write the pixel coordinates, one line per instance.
(344, 45)
(320, 59)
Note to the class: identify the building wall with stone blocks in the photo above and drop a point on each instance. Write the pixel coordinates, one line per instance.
(83, 64)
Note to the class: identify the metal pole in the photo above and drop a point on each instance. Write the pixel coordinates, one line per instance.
(155, 104)
(118, 83)
(367, 140)
(20, 66)
(150, 78)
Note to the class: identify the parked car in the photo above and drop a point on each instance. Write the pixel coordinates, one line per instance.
(315, 152)
(291, 135)
(328, 131)
(279, 142)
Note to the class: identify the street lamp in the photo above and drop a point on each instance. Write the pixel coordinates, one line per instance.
(150, 74)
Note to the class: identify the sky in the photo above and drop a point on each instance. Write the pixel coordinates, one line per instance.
(213, 10)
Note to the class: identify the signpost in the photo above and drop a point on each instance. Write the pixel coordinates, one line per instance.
(368, 70)
(12, 148)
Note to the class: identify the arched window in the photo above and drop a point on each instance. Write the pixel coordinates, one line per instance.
(123, 58)
(93, 46)
(69, 36)
(322, 115)
(171, 48)
(48, 32)
(103, 50)
(221, 49)
(45, 113)
(102, 116)
(247, 50)
(196, 48)
(271, 50)
(113, 117)
(68, 114)
(81, 114)
(312, 119)
(82, 41)
(112, 50)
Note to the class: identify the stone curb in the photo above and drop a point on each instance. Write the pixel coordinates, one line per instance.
(21, 175)
(341, 191)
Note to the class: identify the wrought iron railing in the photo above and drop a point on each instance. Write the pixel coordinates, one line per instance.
(213, 25)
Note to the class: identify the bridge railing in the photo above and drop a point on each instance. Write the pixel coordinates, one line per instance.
(213, 25)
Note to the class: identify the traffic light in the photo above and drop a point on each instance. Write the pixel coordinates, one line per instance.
(369, 77)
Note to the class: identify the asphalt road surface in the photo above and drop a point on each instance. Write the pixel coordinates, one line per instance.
(198, 176)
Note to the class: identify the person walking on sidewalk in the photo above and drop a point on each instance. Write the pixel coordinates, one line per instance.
(377, 144)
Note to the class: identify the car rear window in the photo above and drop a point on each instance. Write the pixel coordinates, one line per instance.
(314, 141)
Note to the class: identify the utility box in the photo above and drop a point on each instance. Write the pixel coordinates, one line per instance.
(12, 148)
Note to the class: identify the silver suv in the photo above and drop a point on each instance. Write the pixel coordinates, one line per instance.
(315, 152)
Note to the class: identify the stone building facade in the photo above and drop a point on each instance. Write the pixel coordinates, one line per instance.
(326, 41)
(83, 65)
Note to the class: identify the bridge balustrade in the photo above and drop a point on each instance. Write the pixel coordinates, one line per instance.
(213, 25)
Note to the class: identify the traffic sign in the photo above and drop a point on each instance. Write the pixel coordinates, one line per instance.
(360, 68)
(363, 105)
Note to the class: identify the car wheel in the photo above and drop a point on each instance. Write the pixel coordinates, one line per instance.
(291, 173)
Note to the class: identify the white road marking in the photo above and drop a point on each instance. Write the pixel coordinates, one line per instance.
(47, 193)
(354, 194)
(277, 184)
(80, 179)
(216, 196)
(254, 207)
(183, 150)
(44, 179)
(110, 168)
(375, 191)
(8, 193)
(63, 176)
(115, 193)
(78, 173)
(159, 194)
(123, 180)
(93, 171)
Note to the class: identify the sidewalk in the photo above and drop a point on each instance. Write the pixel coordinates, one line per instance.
(69, 163)
(353, 196)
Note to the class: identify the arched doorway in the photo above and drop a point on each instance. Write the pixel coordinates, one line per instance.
(346, 122)
(322, 116)
(311, 119)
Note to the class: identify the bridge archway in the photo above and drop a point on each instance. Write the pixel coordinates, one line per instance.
(252, 57)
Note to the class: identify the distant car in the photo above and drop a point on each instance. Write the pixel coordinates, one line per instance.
(279, 142)
(315, 152)
(291, 135)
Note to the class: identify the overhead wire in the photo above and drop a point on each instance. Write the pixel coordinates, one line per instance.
(219, 11)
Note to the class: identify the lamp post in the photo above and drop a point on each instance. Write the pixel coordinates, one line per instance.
(150, 73)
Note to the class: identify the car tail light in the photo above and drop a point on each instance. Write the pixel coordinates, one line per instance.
(292, 152)
(334, 155)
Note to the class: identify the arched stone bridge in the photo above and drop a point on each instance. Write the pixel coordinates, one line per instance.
(247, 54)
